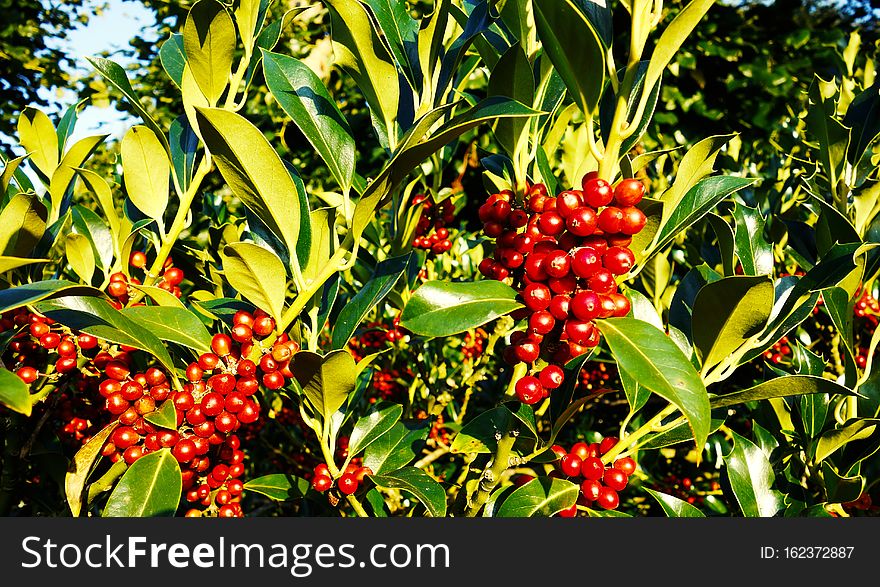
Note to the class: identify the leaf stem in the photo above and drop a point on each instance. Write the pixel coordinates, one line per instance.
(646, 428)
(492, 474)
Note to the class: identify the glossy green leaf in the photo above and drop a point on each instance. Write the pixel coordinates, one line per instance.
(833, 440)
(115, 74)
(727, 314)
(401, 32)
(97, 317)
(327, 381)
(512, 77)
(651, 357)
(100, 236)
(14, 393)
(696, 203)
(675, 507)
(863, 117)
(150, 487)
(751, 478)
(98, 186)
(726, 242)
(253, 170)
(209, 41)
(146, 171)
(173, 58)
(676, 435)
(541, 497)
(184, 144)
(22, 225)
(480, 435)
(385, 277)
(164, 417)
(61, 185)
(10, 170)
(418, 483)
(80, 255)
(754, 252)
(840, 488)
(788, 386)
(257, 274)
(81, 466)
(562, 408)
(442, 309)
(31, 293)
(674, 36)
(10, 263)
(279, 486)
(170, 324)
(305, 99)
(67, 124)
(359, 50)
(573, 45)
(371, 427)
(397, 447)
(824, 128)
(697, 163)
(38, 137)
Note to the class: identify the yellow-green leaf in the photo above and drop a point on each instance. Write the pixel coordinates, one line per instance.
(147, 171)
(80, 256)
(209, 41)
(258, 275)
(38, 137)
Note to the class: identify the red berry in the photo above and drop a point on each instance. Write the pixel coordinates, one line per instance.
(607, 444)
(529, 390)
(602, 282)
(212, 404)
(173, 276)
(542, 321)
(557, 264)
(585, 262)
(597, 192)
(626, 464)
(591, 489)
(137, 259)
(582, 221)
(86, 342)
(610, 219)
(221, 344)
(579, 331)
(27, 374)
(608, 499)
(569, 512)
(273, 380)
(570, 465)
(536, 296)
(629, 192)
(592, 468)
(551, 376)
(322, 483)
(615, 479)
(568, 201)
(348, 484)
(618, 260)
(586, 305)
(632, 222)
(551, 223)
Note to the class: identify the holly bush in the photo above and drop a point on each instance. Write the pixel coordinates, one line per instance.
(458, 273)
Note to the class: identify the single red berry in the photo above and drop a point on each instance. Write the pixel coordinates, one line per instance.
(27, 374)
(221, 344)
(551, 223)
(559, 306)
(592, 468)
(632, 222)
(569, 512)
(322, 483)
(597, 192)
(557, 263)
(585, 262)
(542, 321)
(607, 444)
(86, 342)
(591, 489)
(570, 465)
(273, 380)
(582, 221)
(348, 484)
(618, 260)
(602, 282)
(184, 451)
(567, 201)
(529, 390)
(173, 276)
(551, 376)
(536, 296)
(610, 219)
(212, 404)
(626, 464)
(608, 499)
(586, 305)
(615, 479)
(137, 259)
(629, 192)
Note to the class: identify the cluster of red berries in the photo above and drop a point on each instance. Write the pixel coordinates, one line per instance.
(431, 232)
(347, 483)
(599, 483)
(779, 351)
(563, 254)
(474, 344)
(118, 288)
(598, 375)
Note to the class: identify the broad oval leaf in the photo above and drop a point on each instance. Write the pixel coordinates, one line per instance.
(209, 41)
(81, 467)
(326, 381)
(833, 440)
(419, 484)
(371, 427)
(675, 507)
(258, 275)
(80, 255)
(541, 497)
(173, 57)
(279, 486)
(751, 478)
(253, 170)
(653, 359)
(150, 487)
(171, 324)
(571, 42)
(14, 393)
(754, 252)
(146, 171)
(397, 447)
(728, 313)
(22, 225)
(387, 274)
(788, 386)
(440, 308)
(38, 137)
(479, 435)
(305, 99)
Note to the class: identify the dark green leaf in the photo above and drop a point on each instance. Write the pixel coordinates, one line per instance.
(184, 144)
(674, 507)
(279, 486)
(754, 252)
(368, 429)
(442, 309)
(833, 440)
(541, 497)
(751, 478)
(173, 58)
(480, 434)
(164, 417)
(397, 447)
(326, 381)
(150, 487)
(791, 385)
(419, 484)
(172, 325)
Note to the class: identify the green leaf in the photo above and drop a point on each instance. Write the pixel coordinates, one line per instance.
(727, 314)
(97, 317)
(279, 486)
(676, 435)
(184, 145)
(696, 164)
(541, 497)
(674, 507)
(172, 324)
(840, 488)
(371, 427)
(173, 57)
(418, 483)
(833, 440)
(81, 466)
(14, 393)
(254, 171)
(146, 171)
(60, 188)
(696, 203)
(38, 137)
(441, 309)
(726, 242)
(751, 478)
(824, 127)
(788, 386)
(480, 434)
(571, 42)
(31, 293)
(863, 117)
(257, 274)
(10, 170)
(512, 77)
(22, 225)
(673, 38)
(99, 234)
(397, 447)
(67, 124)
(754, 252)
(305, 99)
(387, 274)
(651, 357)
(326, 381)
(98, 186)
(150, 487)
(361, 53)
(10, 263)
(80, 255)
(164, 417)
(114, 73)
(401, 32)
(209, 41)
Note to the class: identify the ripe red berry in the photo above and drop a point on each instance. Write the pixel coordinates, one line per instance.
(124, 437)
(557, 263)
(615, 479)
(273, 380)
(592, 468)
(608, 499)
(597, 192)
(626, 464)
(559, 306)
(632, 222)
(591, 489)
(212, 404)
(536, 296)
(569, 512)
(551, 223)
(249, 413)
(242, 333)
(551, 376)
(585, 262)
(117, 370)
(582, 221)
(621, 303)
(225, 422)
(137, 259)
(629, 192)
(586, 305)
(184, 451)
(618, 260)
(86, 342)
(611, 220)
(322, 483)
(607, 444)
(529, 390)
(567, 201)
(173, 276)
(542, 321)
(27, 374)
(570, 465)
(117, 289)
(348, 484)
(579, 331)
(116, 404)
(602, 282)
(221, 344)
